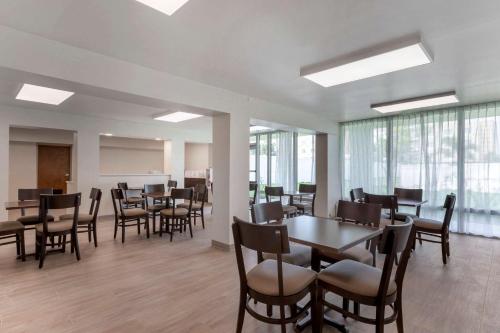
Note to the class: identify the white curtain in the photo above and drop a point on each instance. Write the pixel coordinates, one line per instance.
(449, 150)
(284, 173)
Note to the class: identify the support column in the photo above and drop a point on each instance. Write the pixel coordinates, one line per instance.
(174, 160)
(4, 168)
(87, 159)
(327, 174)
(231, 173)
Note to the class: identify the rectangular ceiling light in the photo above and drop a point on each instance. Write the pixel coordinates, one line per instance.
(165, 6)
(258, 128)
(178, 117)
(368, 63)
(40, 94)
(417, 103)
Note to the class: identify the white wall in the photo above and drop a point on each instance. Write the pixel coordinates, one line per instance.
(198, 156)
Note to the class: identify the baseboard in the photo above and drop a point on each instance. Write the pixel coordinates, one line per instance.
(222, 246)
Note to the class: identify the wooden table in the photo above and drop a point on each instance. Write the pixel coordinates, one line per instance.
(158, 195)
(22, 205)
(326, 234)
(412, 203)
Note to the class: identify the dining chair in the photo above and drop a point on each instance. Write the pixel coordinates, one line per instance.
(200, 195)
(366, 214)
(87, 223)
(129, 201)
(27, 194)
(177, 218)
(407, 194)
(156, 205)
(13, 230)
(127, 217)
(253, 187)
(306, 204)
(272, 212)
(357, 194)
(271, 282)
(388, 202)
(438, 229)
(49, 230)
(368, 285)
(171, 184)
(277, 191)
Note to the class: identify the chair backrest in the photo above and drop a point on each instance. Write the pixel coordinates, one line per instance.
(24, 194)
(182, 194)
(364, 213)
(357, 194)
(59, 201)
(260, 238)
(309, 188)
(117, 197)
(273, 191)
(123, 186)
(252, 187)
(393, 238)
(95, 197)
(389, 202)
(409, 193)
(267, 212)
(154, 188)
(200, 193)
(172, 184)
(449, 206)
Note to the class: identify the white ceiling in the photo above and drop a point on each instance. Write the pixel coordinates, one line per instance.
(257, 47)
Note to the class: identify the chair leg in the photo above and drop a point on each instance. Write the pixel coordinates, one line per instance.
(72, 243)
(282, 317)
(293, 310)
(314, 308)
(379, 319)
(43, 240)
(77, 246)
(94, 230)
(419, 238)
(190, 226)
(356, 308)
(399, 319)
(269, 310)
(443, 248)
(320, 312)
(64, 243)
(174, 225)
(345, 305)
(202, 218)
(139, 226)
(147, 226)
(21, 244)
(123, 231)
(116, 227)
(448, 246)
(154, 223)
(161, 226)
(52, 243)
(18, 245)
(241, 312)
(89, 232)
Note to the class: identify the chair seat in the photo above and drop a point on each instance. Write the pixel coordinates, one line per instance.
(194, 206)
(289, 209)
(263, 278)
(33, 219)
(179, 212)
(356, 253)
(428, 224)
(299, 255)
(134, 212)
(134, 200)
(82, 218)
(399, 216)
(10, 226)
(356, 278)
(58, 226)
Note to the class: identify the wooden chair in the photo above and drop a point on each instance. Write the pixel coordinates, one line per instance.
(130, 201)
(368, 285)
(87, 223)
(24, 194)
(438, 229)
(272, 212)
(124, 216)
(253, 187)
(47, 229)
(277, 191)
(272, 282)
(389, 202)
(198, 206)
(156, 205)
(13, 229)
(171, 184)
(177, 218)
(360, 213)
(308, 204)
(407, 194)
(357, 194)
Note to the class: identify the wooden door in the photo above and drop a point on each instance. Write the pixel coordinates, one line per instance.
(54, 167)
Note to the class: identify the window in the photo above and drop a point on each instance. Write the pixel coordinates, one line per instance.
(306, 158)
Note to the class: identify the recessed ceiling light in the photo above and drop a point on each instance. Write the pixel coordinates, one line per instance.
(368, 63)
(178, 116)
(165, 6)
(32, 93)
(257, 128)
(107, 134)
(417, 103)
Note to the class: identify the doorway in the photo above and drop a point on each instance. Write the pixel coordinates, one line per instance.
(54, 167)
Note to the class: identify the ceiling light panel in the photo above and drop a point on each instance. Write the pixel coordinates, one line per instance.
(178, 117)
(417, 103)
(32, 93)
(165, 6)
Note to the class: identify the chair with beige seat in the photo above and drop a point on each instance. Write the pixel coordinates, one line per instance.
(127, 217)
(48, 230)
(200, 195)
(438, 229)
(272, 212)
(271, 282)
(177, 218)
(130, 200)
(306, 205)
(389, 204)
(87, 223)
(277, 192)
(156, 205)
(368, 285)
(412, 194)
(24, 194)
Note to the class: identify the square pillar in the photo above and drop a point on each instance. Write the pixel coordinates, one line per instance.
(327, 174)
(4, 168)
(87, 164)
(231, 173)
(174, 152)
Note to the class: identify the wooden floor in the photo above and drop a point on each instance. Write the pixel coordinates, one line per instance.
(187, 286)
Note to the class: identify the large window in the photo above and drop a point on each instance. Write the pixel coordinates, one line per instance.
(450, 150)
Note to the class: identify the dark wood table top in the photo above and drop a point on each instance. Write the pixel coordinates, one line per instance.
(410, 203)
(160, 195)
(328, 234)
(22, 204)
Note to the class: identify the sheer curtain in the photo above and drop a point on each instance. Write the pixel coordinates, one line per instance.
(284, 173)
(442, 151)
